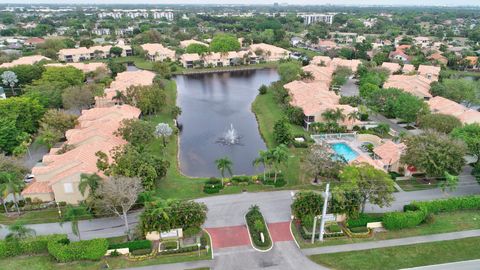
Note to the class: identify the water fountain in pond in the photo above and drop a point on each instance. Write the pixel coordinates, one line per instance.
(230, 137)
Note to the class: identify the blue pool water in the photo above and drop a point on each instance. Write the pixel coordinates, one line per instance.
(344, 151)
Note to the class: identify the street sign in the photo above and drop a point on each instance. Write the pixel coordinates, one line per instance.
(330, 217)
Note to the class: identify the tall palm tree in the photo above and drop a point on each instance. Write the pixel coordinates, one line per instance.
(333, 115)
(92, 181)
(224, 164)
(10, 183)
(263, 159)
(19, 231)
(74, 214)
(279, 156)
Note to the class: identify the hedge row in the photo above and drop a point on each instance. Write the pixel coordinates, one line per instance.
(133, 245)
(64, 251)
(29, 246)
(417, 212)
(362, 220)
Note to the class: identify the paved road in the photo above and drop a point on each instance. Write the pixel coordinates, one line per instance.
(229, 210)
(392, 242)
(464, 265)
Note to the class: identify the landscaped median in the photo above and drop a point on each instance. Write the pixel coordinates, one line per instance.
(258, 230)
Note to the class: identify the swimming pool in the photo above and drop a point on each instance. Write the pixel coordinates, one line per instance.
(343, 150)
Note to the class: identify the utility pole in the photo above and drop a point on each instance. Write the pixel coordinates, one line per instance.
(324, 213)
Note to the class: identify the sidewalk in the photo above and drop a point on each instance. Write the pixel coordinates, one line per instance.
(392, 242)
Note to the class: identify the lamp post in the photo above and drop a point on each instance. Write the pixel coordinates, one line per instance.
(198, 245)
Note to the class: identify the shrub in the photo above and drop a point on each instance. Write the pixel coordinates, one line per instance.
(82, 250)
(29, 246)
(359, 230)
(132, 245)
(212, 185)
(334, 228)
(241, 179)
(140, 252)
(401, 220)
(451, 204)
(263, 89)
(362, 220)
(300, 144)
(170, 245)
(181, 250)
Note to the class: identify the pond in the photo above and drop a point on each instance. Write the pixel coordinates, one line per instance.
(211, 105)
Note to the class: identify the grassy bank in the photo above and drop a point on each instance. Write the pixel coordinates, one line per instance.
(443, 223)
(403, 256)
(267, 112)
(226, 68)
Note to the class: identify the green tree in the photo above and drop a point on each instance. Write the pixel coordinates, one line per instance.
(137, 132)
(26, 112)
(163, 69)
(307, 203)
(458, 90)
(372, 185)
(78, 97)
(224, 164)
(263, 159)
(197, 48)
(279, 156)
(18, 231)
(440, 122)
(11, 184)
(333, 115)
(90, 182)
(450, 183)
(408, 107)
(116, 51)
(86, 43)
(224, 43)
(149, 99)
(282, 132)
(73, 214)
(435, 153)
(470, 135)
(65, 76)
(49, 95)
(26, 74)
(289, 71)
(116, 67)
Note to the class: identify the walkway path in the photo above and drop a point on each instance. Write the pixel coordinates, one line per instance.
(392, 242)
(464, 265)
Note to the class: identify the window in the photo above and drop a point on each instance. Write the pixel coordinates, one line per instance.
(68, 187)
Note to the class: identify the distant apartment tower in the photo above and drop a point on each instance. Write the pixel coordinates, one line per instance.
(316, 17)
(163, 14)
(115, 15)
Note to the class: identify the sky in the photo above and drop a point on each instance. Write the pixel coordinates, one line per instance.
(262, 2)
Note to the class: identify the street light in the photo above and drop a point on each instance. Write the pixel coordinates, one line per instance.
(198, 245)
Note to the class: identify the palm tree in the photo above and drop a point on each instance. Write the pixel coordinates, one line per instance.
(11, 184)
(353, 115)
(92, 181)
(263, 159)
(19, 231)
(224, 164)
(119, 97)
(155, 214)
(333, 115)
(74, 214)
(279, 156)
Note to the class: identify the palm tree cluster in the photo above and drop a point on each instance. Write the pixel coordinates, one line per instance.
(10, 183)
(224, 164)
(272, 159)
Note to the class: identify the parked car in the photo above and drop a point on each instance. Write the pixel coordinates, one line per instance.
(29, 178)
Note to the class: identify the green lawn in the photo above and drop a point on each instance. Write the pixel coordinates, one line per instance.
(403, 256)
(414, 184)
(444, 222)
(267, 112)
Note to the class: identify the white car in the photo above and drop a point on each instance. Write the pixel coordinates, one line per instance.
(29, 178)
